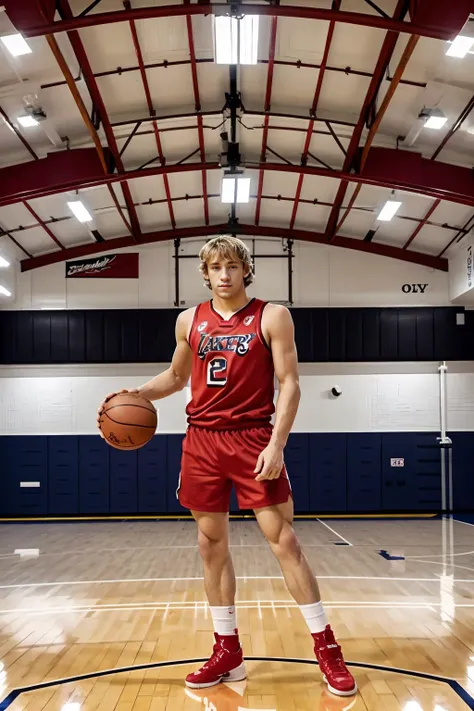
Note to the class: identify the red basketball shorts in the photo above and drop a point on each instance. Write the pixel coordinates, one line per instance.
(214, 460)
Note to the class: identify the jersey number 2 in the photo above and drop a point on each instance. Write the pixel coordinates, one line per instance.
(217, 372)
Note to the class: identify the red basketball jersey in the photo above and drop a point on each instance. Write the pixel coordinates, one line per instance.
(232, 378)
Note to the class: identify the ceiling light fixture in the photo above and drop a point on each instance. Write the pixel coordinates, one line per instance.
(79, 211)
(4, 291)
(27, 121)
(3, 262)
(16, 44)
(388, 211)
(236, 39)
(460, 46)
(435, 118)
(235, 188)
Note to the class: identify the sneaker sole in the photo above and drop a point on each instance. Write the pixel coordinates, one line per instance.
(238, 674)
(336, 692)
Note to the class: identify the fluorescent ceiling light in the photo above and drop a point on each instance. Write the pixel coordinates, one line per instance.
(460, 46)
(389, 210)
(243, 189)
(4, 263)
(236, 41)
(228, 190)
(248, 39)
(79, 211)
(235, 189)
(436, 122)
(27, 121)
(4, 291)
(16, 44)
(225, 40)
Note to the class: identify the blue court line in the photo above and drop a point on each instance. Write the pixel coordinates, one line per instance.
(387, 556)
(455, 685)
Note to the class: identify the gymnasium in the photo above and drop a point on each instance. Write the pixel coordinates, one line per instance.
(336, 139)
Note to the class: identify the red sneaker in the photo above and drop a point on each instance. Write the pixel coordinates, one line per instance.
(335, 673)
(225, 664)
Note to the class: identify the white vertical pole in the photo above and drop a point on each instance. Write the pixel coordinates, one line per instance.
(442, 412)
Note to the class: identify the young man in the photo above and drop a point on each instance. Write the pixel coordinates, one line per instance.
(232, 346)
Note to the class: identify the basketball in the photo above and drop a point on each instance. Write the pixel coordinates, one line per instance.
(128, 421)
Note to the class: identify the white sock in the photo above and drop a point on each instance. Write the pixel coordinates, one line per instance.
(224, 619)
(315, 617)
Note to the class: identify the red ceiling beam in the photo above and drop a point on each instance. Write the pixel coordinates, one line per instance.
(336, 4)
(276, 198)
(441, 31)
(381, 67)
(423, 222)
(151, 109)
(467, 227)
(58, 172)
(197, 106)
(218, 112)
(18, 134)
(42, 224)
(242, 229)
(385, 167)
(439, 13)
(348, 71)
(457, 125)
(93, 88)
(267, 106)
(405, 58)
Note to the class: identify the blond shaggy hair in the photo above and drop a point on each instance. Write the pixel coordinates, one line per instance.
(226, 247)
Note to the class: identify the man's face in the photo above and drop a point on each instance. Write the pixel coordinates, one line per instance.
(226, 276)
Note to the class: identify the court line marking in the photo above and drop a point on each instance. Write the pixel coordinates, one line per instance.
(203, 605)
(335, 532)
(446, 563)
(157, 608)
(239, 577)
(452, 683)
(438, 555)
(464, 522)
(94, 551)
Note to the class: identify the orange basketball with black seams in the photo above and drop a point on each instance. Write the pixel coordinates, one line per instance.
(128, 421)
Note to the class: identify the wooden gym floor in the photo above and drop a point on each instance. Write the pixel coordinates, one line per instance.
(126, 598)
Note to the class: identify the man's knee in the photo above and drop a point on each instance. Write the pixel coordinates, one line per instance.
(212, 536)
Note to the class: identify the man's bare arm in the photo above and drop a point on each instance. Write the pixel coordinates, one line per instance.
(280, 330)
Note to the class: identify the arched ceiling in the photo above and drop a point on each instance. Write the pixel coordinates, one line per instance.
(327, 122)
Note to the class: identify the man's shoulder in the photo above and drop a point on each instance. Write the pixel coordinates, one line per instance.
(276, 310)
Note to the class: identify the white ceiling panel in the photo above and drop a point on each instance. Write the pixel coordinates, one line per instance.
(154, 217)
(144, 189)
(431, 240)
(312, 217)
(274, 213)
(322, 188)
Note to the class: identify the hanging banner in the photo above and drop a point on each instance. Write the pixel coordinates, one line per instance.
(110, 266)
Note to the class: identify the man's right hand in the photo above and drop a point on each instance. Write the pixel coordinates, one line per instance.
(108, 397)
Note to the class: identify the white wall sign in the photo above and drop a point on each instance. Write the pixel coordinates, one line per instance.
(397, 462)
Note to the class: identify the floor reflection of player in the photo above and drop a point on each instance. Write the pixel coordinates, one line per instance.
(232, 697)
